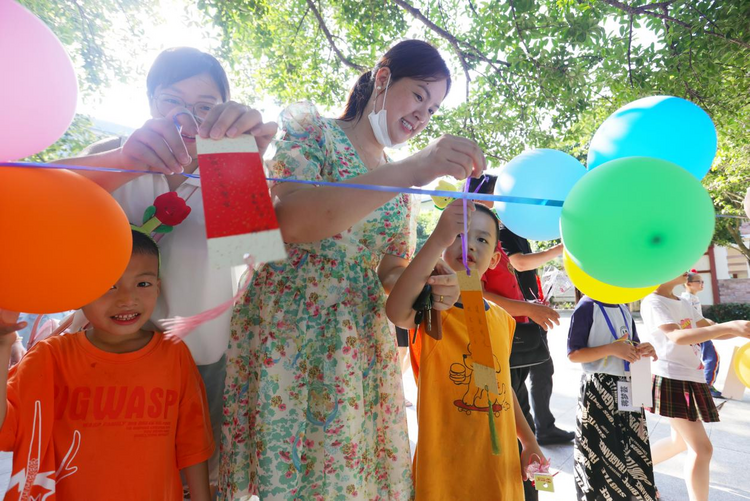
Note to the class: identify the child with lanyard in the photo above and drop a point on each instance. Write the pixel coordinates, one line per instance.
(612, 452)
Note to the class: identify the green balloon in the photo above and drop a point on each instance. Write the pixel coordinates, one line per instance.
(637, 221)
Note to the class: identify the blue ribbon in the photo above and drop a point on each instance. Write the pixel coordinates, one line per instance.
(355, 186)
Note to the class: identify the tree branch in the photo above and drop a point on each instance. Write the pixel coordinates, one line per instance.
(304, 16)
(348, 62)
(630, 42)
(453, 41)
(734, 230)
(644, 9)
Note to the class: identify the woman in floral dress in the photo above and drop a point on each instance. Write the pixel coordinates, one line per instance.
(313, 398)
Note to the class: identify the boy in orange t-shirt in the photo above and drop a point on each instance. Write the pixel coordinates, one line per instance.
(114, 412)
(454, 457)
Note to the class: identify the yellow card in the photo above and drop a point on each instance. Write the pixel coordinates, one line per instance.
(485, 375)
(544, 482)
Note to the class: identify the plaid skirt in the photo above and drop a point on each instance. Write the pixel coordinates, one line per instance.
(683, 399)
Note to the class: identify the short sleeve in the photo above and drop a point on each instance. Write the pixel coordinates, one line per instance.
(404, 242)
(659, 314)
(9, 430)
(194, 442)
(580, 325)
(636, 339)
(28, 381)
(509, 242)
(301, 151)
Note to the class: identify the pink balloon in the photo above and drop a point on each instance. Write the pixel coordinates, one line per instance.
(38, 84)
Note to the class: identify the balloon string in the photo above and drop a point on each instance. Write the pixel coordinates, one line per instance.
(393, 189)
(369, 187)
(464, 251)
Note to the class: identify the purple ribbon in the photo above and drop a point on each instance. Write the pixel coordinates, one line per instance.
(354, 186)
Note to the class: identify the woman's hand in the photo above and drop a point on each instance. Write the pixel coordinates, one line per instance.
(447, 156)
(231, 119)
(445, 288)
(158, 145)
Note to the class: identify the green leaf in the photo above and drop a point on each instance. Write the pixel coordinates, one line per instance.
(149, 213)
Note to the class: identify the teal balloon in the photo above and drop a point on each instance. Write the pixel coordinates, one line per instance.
(542, 174)
(664, 127)
(636, 222)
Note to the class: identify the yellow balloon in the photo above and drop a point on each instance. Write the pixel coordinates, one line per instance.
(600, 291)
(742, 364)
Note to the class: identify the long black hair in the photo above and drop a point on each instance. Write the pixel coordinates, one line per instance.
(407, 59)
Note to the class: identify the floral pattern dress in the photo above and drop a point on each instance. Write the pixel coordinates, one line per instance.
(313, 404)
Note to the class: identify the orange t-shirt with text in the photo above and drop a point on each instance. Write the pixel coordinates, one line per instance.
(85, 424)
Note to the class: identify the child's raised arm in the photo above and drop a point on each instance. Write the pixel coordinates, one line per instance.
(706, 332)
(418, 273)
(7, 338)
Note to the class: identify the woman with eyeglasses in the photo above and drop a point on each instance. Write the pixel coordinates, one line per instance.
(190, 87)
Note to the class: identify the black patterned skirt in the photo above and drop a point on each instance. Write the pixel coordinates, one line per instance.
(612, 453)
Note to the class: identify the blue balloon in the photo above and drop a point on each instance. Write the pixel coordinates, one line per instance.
(542, 173)
(664, 127)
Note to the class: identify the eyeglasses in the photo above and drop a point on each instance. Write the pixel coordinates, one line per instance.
(167, 102)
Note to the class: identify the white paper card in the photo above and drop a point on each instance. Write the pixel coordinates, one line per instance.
(640, 380)
(624, 397)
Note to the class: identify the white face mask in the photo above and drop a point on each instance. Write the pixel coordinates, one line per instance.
(379, 123)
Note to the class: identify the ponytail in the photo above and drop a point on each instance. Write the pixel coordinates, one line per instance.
(358, 97)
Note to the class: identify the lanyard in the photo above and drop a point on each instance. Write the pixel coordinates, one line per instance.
(612, 328)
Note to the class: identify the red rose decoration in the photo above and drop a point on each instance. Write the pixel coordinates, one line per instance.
(171, 209)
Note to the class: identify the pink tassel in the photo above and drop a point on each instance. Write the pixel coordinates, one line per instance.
(47, 329)
(182, 326)
(32, 337)
(56, 332)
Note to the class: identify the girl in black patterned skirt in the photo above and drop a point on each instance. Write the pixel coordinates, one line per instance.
(612, 453)
(679, 387)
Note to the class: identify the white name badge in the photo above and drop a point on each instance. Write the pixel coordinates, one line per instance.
(625, 397)
(640, 379)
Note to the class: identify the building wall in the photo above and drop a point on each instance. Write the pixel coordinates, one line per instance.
(737, 264)
(735, 290)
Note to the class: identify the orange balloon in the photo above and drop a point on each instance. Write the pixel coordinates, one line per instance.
(67, 241)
